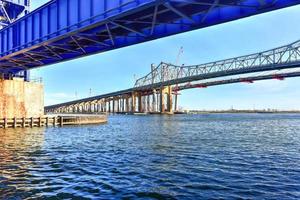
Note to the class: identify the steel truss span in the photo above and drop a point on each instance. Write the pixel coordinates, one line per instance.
(275, 59)
(67, 29)
(278, 63)
(129, 93)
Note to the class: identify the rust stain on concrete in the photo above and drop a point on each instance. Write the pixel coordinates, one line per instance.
(21, 99)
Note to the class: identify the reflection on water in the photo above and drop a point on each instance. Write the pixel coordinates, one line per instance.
(18, 147)
(155, 157)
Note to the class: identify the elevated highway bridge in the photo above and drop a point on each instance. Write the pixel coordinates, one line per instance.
(155, 92)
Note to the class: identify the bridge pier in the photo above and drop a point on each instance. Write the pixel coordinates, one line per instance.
(109, 105)
(127, 103)
(166, 101)
(19, 98)
(159, 100)
(133, 102)
(140, 103)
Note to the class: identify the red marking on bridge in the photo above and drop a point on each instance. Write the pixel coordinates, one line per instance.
(176, 88)
(247, 81)
(201, 86)
(278, 77)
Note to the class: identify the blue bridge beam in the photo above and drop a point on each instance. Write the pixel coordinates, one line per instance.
(67, 29)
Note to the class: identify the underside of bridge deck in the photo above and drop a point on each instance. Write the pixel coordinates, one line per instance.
(67, 29)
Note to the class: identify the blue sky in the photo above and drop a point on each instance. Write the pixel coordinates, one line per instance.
(115, 70)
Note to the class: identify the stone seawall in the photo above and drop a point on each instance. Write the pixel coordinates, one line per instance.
(21, 99)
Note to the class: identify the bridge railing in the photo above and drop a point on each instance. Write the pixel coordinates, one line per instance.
(278, 58)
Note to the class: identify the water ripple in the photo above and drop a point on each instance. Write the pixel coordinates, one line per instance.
(217, 156)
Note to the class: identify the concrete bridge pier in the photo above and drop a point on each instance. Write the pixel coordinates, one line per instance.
(133, 102)
(109, 105)
(159, 100)
(166, 101)
(20, 99)
(140, 103)
(154, 102)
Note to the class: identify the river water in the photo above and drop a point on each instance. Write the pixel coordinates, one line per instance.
(213, 156)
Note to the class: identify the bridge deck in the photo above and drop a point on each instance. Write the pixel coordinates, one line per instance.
(207, 83)
(277, 63)
(67, 29)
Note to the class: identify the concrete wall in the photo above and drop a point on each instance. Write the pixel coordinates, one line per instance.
(21, 99)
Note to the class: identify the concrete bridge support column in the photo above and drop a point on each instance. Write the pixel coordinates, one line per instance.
(133, 102)
(148, 103)
(158, 101)
(109, 106)
(123, 104)
(97, 107)
(170, 100)
(87, 107)
(113, 105)
(166, 105)
(90, 105)
(104, 106)
(119, 104)
(79, 108)
(140, 103)
(19, 98)
(127, 104)
(176, 101)
(154, 103)
(162, 100)
(84, 107)
(144, 103)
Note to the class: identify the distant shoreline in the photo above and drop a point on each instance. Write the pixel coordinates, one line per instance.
(243, 112)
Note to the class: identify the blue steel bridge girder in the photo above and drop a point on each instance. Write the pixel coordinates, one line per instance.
(67, 29)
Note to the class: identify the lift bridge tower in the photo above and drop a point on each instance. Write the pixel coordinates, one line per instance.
(10, 11)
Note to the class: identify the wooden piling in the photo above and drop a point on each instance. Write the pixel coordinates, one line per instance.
(15, 122)
(23, 122)
(5, 122)
(31, 122)
(40, 122)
